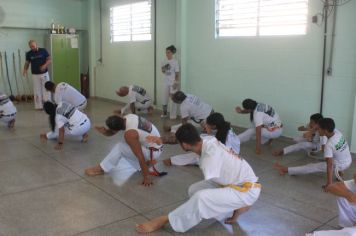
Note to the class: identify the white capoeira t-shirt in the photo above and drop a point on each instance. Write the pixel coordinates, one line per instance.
(266, 116)
(337, 148)
(68, 116)
(170, 68)
(66, 93)
(192, 107)
(224, 166)
(144, 129)
(138, 94)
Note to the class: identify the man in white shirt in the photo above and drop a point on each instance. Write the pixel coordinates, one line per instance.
(229, 186)
(336, 153)
(192, 110)
(134, 148)
(346, 193)
(139, 99)
(64, 92)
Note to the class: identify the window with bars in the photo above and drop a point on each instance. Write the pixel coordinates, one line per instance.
(260, 17)
(131, 22)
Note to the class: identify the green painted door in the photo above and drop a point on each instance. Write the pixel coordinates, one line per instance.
(65, 59)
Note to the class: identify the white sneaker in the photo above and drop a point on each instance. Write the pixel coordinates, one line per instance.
(164, 116)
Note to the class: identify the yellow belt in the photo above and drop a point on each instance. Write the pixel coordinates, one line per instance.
(244, 187)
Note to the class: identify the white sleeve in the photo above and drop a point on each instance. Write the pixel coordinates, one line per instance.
(323, 140)
(58, 97)
(210, 167)
(350, 185)
(60, 121)
(132, 96)
(184, 111)
(328, 151)
(233, 142)
(258, 118)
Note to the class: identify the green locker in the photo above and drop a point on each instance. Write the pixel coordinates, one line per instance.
(64, 50)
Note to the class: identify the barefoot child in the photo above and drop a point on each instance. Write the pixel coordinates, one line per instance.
(134, 147)
(229, 185)
(310, 141)
(336, 153)
(265, 120)
(65, 119)
(138, 99)
(7, 111)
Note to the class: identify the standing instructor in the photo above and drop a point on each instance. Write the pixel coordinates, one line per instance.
(39, 60)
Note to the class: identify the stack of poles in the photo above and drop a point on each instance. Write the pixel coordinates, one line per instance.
(18, 78)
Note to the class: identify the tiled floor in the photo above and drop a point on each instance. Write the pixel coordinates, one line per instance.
(45, 192)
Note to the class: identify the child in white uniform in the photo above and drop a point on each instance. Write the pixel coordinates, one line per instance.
(229, 185)
(170, 69)
(265, 120)
(192, 109)
(134, 148)
(65, 119)
(64, 92)
(139, 99)
(311, 141)
(346, 193)
(215, 123)
(336, 153)
(7, 111)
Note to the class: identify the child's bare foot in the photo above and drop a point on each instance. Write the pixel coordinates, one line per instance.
(281, 169)
(150, 109)
(167, 162)
(278, 152)
(43, 138)
(167, 128)
(94, 171)
(152, 225)
(11, 124)
(85, 138)
(236, 215)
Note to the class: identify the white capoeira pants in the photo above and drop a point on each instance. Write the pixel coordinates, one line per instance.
(168, 90)
(82, 106)
(39, 91)
(207, 201)
(7, 118)
(77, 130)
(306, 146)
(350, 231)
(266, 135)
(185, 159)
(315, 168)
(123, 150)
(347, 213)
(174, 128)
(143, 106)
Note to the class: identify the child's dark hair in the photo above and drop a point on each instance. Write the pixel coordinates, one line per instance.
(187, 133)
(316, 117)
(223, 127)
(172, 48)
(49, 85)
(179, 96)
(116, 123)
(249, 104)
(50, 109)
(327, 124)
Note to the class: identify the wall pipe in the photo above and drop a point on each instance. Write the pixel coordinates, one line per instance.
(326, 7)
(155, 52)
